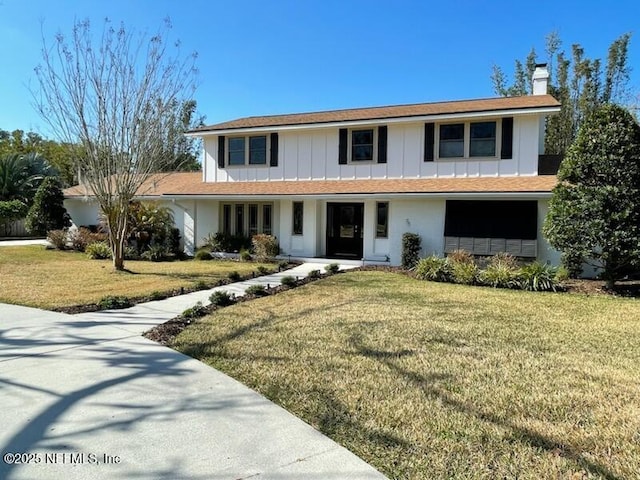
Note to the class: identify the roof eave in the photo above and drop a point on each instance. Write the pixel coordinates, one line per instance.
(378, 121)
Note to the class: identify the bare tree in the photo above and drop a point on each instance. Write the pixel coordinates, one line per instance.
(115, 94)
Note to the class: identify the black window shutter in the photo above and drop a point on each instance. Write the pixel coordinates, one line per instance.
(507, 138)
(342, 146)
(221, 151)
(429, 141)
(273, 158)
(382, 144)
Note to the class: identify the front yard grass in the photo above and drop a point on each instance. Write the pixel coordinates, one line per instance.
(33, 276)
(430, 380)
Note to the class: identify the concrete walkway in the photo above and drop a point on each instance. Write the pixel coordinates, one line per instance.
(87, 397)
(18, 243)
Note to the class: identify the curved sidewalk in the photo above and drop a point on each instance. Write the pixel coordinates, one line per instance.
(87, 397)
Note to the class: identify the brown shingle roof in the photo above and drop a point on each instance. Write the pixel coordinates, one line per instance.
(396, 111)
(192, 184)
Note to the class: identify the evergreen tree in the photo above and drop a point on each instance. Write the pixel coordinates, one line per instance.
(578, 82)
(594, 214)
(47, 212)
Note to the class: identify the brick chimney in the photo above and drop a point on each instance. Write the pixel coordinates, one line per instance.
(540, 79)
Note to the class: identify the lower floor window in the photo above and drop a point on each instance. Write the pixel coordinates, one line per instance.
(248, 219)
(382, 219)
(298, 215)
(514, 219)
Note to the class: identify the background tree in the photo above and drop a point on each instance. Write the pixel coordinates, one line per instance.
(115, 94)
(57, 154)
(47, 212)
(181, 152)
(579, 83)
(21, 175)
(594, 214)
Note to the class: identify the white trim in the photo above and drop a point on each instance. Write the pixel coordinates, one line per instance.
(380, 121)
(340, 197)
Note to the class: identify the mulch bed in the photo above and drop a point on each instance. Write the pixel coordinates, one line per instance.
(94, 307)
(165, 333)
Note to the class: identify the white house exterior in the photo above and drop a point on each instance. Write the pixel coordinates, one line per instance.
(349, 183)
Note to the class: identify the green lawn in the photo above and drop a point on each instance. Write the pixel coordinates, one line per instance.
(36, 277)
(429, 380)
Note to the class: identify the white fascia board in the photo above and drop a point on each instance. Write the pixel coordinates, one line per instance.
(381, 121)
(364, 196)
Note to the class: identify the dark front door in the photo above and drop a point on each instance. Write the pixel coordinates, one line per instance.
(344, 230)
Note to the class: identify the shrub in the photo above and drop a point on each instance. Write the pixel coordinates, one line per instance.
(289, 281)
(499, 275)
(501, 272)
(265, 246)
(262, 270)
(245, 255)
(257, 290)
(173, 242)
(234, 276)
(506, 259)
(47, 212)
(434, 268)
(461, 256)
(200, 285)
(131, 253)
(83, 237)
(151, 224)
(464, 272)
(562, 274)
(223, 242)
(537, 276)
(98, 251)
(222, 298)
(197, 311)
(283, 265)
(203, 254)
(112, 302)
(410, 250)
(157, 295)
(58, 238)
(314, 274)
(155, 253)
(332, 268)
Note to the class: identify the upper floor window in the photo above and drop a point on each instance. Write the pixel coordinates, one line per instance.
(452, 140)
(236, 151)
(239, 154)
(362, 145)
(473, 139)
(482, 141)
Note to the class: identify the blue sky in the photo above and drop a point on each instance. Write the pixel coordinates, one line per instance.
(259, 57)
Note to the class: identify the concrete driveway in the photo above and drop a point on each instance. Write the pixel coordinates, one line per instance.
(82, 398)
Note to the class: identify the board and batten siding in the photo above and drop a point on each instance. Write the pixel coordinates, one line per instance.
(313, 155)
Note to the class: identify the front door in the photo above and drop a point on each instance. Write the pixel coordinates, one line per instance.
(344, 230)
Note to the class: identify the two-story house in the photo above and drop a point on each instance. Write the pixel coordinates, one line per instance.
(468, 174)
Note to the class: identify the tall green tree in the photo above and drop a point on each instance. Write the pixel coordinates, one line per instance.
(581, 84)
(47, 212)
(594, 213)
